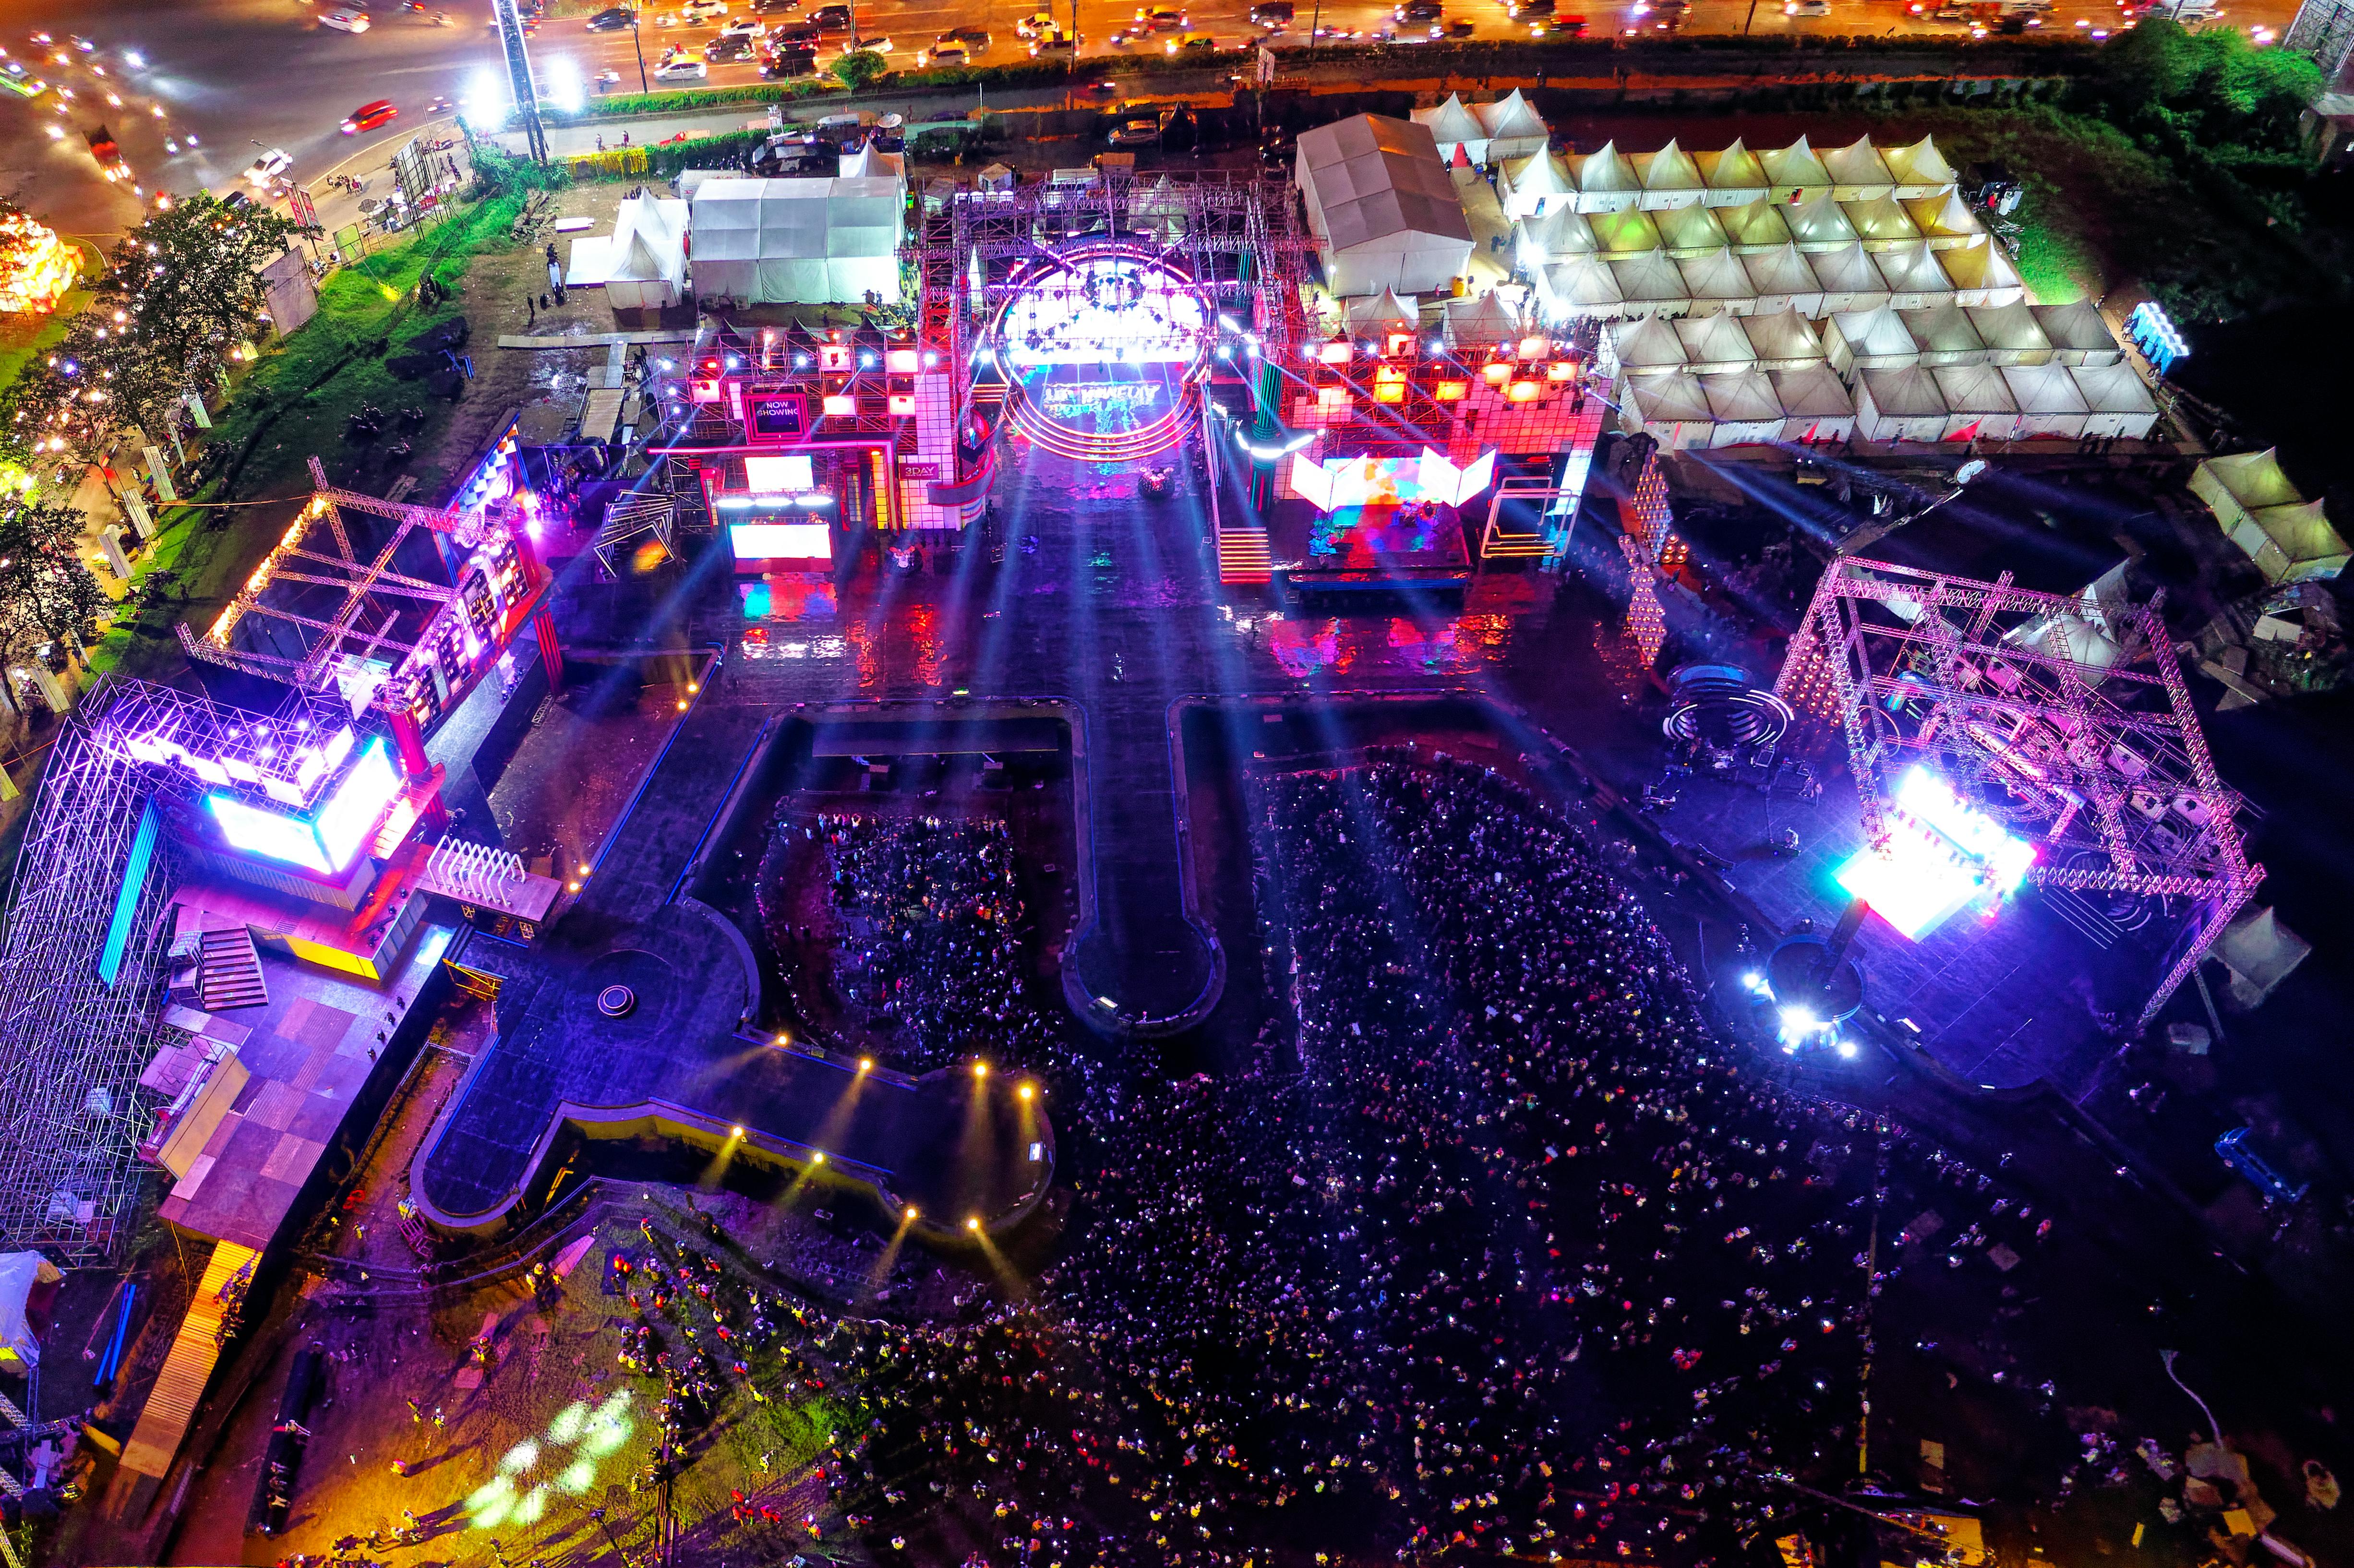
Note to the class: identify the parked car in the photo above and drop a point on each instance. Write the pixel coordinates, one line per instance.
(344, 20)
(368, 116)
(1142, 132)
(612, 21)
(684, 69)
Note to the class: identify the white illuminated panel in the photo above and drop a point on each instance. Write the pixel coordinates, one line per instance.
(1941, 855)
(781, 541)
(357, 805)
(771, 475)
(257, 831)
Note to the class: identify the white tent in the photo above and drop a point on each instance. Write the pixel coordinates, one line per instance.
(1606, 181)
(1535, 183)
(1718, 281)
(1914, 278)
(1978, 403)
(1669, 177)
(1782, 340)
(2049, 403)
(1983, 273)
(1689, 231)
(1651, 282)
(1745, 407)
(1784, 278)
(649, 271)
(1858, 172)
(1794, 173)
(2011, 335)
(1671, 409)
(1815, 407)
(1734, 176)
(1850, 279)
(1480, 321)
(2259, 952)
(1919, 169)
(1375, 315)
(1945, 336)
(2119, 403)
(800, 241)
(20, 1273)
(1649, 345)
(1819, 223)
(1880, 222)
(1754, 225)
(1715, 343)
(2287, 537)
(1561, 233)
(1581, 286)
(1900, 404)
(1452, 126)
(1515, 130)
(1943, 218)
(1875, 339)
(2078, 335)
(1384, 212)
(1625, 231)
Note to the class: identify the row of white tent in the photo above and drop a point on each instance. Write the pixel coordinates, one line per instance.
(1510, 127)
(1682, 409)
(2263, 512)
(1879, 339)
(1909, 276)
(1759, 226)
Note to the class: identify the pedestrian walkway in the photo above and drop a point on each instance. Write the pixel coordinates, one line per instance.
(172, 1403)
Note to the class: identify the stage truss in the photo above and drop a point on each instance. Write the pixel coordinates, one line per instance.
(2067, 718)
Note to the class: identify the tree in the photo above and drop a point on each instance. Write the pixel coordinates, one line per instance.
(859, 68)
(46, 594)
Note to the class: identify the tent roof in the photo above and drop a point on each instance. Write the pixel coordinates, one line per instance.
(1376, 179)
(1539, 174)
(2302, 532)
(1561, 231)
(1718, 275)
(747, 220)
(2044, 389)
(1375, 310)
(1692, 228)
(1651, 343)
(1782, 271)
(2112, 389)
(1735, 169)
(1846, 269)
(1649, 276)
(1510, 115)
(1944, 216)
(2011, 327)
(1980, 264)
(1450, 122)
(864, 163)
(1606, 171)
(1912, 267)
(1628, 231)
(2078, 325)
(1714, 340)
(2255, 480)
(1880, 218)
(1795, 164)
(1759, 222)
(1669, 169)
(1857, 164)
(1906, 392)
(1583, 281)
(1672, 397)
(1741, 396)
(1974, 390)
(1781, 335)
(1811, 392)
(1874, 331)
(1481, 319)
(1919, 164)
(1819, 223)
(1942, 329)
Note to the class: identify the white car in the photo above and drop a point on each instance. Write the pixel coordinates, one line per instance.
(866, 45)
(344, 20)
(703, 10)
(682, 70)
(1808, 8)
(750, 27)
(268, 167)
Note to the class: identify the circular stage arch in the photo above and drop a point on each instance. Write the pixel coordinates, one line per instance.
(1102, 346)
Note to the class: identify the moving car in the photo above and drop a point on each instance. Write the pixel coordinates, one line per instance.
(878, 45)
(109, 153)
(776, 5)
(368, 116)
(1050, 41)
(800, 34)
(1808, 8)
(974, 38)
(344, 20)
(728, 50)
(745, 28)
(702, 10)
(265, 169)
(1521, 10)
(1162, 19)
(944, 53)
(1419, 11)
(1035, 22)
(1192, 42)
(833, 19)
(682, 70)
(612, 21)
(1272, 14)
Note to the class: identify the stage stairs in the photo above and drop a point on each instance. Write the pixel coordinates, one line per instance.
(1242, 556)
(228, 971)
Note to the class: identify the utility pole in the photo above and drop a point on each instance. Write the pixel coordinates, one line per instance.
(637, 44)
(526, 96)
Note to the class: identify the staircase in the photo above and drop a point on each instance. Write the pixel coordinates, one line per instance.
(228, 971)
(1242, 556)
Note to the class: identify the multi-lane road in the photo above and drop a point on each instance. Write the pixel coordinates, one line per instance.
(194, 89)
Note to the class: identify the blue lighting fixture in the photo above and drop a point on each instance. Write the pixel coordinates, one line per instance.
(2153, 332)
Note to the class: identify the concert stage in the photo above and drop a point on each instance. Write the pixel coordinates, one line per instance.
(1378, 546)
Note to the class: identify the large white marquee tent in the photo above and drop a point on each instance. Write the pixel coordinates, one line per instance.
(798, 241)
(1382, 206)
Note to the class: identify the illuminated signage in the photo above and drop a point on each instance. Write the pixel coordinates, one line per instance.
(1334, 482)
(778, 473)
(257, 831)
(327, 841)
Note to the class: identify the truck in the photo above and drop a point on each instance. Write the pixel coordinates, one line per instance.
(103, 147)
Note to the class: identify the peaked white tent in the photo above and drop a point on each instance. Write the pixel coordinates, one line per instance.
(649, 269)
(1880, 222)
(1515, 130)
(1795, 174)
(1918, 170)
(1671, 409)
(2119, 403)
(1978, 403)
(1385, 311)
(1875, 339)
(1669, 177)
(1718, 281)
(1560, 233)
(1819, 223)
(1649, 345)
(1850, 279)
(2259, 510)
(1754, 225)
(1915, 280)
(1900, 404)
(1625, 231)
(2049, 403)
(1581, 286)
(1535, 183)
(1944, 335)
(1744, 407)
(1943, 218)
(1688, 231)
(1453, 127)
(1858, 172)
(1606, 181)
(1481, 322)
(1734, 176)
(1784, 278)
(2011, 333)
(1715, 343)
(1983, 273)
(1815, 407)
(1651, 282)
(1384, 212)
(1782, 340)
(798, 241)
(2078, 335)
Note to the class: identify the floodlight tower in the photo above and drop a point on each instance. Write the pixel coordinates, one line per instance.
(526, 96)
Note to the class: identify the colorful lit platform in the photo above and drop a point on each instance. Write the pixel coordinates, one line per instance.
(1376, 524)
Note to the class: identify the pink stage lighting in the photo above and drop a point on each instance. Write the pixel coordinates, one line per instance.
(1942, 854)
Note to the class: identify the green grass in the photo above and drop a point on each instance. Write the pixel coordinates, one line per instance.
(23, 336)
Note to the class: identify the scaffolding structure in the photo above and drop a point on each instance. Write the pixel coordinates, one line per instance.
(2066, 718)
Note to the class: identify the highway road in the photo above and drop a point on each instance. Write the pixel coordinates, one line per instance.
(193, 89)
